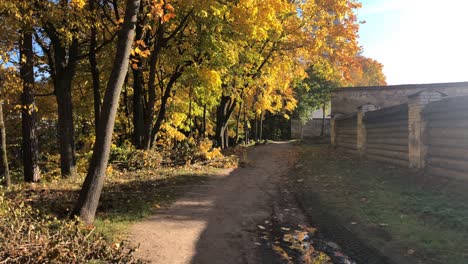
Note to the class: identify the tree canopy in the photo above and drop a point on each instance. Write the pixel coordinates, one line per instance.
(196, 71)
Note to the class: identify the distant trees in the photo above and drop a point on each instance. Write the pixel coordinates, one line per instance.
(366, 72)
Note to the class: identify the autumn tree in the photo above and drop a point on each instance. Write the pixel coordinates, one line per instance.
(92, 186)
(28, 110)
(366, 72)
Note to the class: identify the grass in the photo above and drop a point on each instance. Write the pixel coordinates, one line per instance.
(127, 196)
(405, 214)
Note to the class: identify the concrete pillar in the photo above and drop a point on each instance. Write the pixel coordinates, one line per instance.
(333, 131)
(361, 144)
(417, 148)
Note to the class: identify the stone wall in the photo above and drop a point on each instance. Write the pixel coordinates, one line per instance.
(347, 100)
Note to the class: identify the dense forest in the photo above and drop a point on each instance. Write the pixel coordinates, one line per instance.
(83, 80)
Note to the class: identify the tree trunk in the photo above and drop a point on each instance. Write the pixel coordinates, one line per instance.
(246, 127)
(223, 114)
(261, 126)
(226, 136)
(204, 121)
(62, 69)
(322, 131)
(237, 122)
(158, 44)
(94, 71)
(92, 186)
(28, 111)
(138, 111)
(138, 93)
(151, 99)
(256, 128)
(189, 117)
(65, 124)
(4, 171)
(163, 107)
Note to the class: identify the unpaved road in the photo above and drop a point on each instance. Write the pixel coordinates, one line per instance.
(216, 222)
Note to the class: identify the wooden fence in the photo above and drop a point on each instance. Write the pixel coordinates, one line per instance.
(428, 132)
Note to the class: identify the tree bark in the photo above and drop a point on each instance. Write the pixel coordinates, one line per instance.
(63, 69)
(149, 117)
(138, 110)
(261, 126)
(246, 127)
(256, 128)
(92, 186)
(226, 136)
(66, 128)
(223, 114)
(163, 107)
(94, 70)
(4, 171)
(138, 98)
(237, 122)
(28, 112)
(204, 121)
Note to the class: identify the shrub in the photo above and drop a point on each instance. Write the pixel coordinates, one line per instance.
(126, 156)
(27, 236)
(206, 151)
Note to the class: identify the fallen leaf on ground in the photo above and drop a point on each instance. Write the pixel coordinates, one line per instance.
(281, 252)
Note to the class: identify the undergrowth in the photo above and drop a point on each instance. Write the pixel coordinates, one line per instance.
(28, 236)
(34, 218)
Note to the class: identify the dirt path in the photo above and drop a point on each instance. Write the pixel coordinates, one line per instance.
(216, 222)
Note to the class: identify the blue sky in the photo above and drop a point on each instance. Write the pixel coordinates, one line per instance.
(418, 41)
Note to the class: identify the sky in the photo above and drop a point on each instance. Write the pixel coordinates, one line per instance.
(417, 41)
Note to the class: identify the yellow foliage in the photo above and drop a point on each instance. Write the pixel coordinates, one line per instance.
(206, 150)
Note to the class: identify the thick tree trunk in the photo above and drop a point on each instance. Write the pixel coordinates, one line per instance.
(94, 71)
(65, 62)
(223, 114)
(92, 186)
(29, 113)
(138, 94)
(4, 171)
(66, 131)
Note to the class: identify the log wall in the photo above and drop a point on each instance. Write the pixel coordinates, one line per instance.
(346, 133)
(387, 135)
(446, 137)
